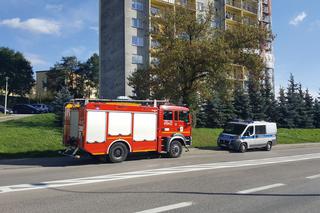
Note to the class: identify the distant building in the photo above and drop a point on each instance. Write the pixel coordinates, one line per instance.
(42, 92)
(125, 41)
(41, 88)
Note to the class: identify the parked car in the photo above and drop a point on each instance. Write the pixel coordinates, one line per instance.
(42, 107)
(9, 111)
(243, 135)
(25, 109)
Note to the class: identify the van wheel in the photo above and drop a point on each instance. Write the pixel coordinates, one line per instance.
(242, 148)
(268, 146)
(118, 153)
(175, 149)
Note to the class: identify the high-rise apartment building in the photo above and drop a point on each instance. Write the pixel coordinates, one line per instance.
(125, 41)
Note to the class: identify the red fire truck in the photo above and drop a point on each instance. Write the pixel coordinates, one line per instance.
(111, 129)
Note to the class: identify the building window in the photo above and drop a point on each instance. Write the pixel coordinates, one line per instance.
(200, 6)
(137, 41)
(137, 23)
(155, 11)
(137, 59)
(137, 5)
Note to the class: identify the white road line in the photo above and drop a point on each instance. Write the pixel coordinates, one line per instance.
(156, 172)
(248, 191)
(313, 177)
(167, 208)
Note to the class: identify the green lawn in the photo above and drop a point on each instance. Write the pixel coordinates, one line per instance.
(38, 136)
(30, 137)
(208, 137)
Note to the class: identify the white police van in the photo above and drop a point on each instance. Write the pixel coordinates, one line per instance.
(243, 135)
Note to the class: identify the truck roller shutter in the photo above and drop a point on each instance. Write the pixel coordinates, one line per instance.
(96, 127)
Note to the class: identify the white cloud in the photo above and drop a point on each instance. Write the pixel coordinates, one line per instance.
(35, 60)
(74, 51)
(96, 29)
(298, 19)
(54, 7)
(41, 26)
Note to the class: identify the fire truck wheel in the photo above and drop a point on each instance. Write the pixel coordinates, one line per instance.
(175, 149)
(118, 153)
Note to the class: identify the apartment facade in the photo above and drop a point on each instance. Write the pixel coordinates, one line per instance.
(125, 42)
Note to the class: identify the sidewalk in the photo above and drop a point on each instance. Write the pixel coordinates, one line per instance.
(13, 117)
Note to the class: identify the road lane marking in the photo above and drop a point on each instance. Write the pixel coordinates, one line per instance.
(261, 188)
(156, 172)
(167, 208)
(313, 177)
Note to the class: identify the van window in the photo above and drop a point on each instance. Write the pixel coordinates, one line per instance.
(249, 131)
(234, 129)
(167, 115)
(261, 130)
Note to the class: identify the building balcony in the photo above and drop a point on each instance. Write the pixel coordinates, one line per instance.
(250, 21)
(234, 3)
(163, 1)
(233, 17)
(253, 8)
(266, 19)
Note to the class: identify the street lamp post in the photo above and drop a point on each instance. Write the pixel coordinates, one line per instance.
(6, 97)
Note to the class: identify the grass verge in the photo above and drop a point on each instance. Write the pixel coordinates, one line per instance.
(35, 136)
(205, 138)
(38, 136)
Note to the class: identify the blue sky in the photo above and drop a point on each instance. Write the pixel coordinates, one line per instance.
(296, 24)
(46, 30)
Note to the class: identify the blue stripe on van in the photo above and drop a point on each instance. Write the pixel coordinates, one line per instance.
(258, 136)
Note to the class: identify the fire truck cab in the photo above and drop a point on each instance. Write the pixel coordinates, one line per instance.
(111, 129)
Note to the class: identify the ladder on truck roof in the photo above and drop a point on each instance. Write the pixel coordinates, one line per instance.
(146, 102)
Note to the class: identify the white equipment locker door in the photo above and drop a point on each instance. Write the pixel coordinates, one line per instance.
(145, 127)
(96, 126)
(120, 123)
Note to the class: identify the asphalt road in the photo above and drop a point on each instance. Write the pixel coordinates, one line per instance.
(284, 180)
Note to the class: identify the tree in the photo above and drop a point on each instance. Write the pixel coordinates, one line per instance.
(217, 112)
(316, 111)
(256, 100)
(292, 103)
(88, 76)
(282, 111)
(192, 59)
(18, 69)
(140, 82)
(63, 96)
(270, 103)
(64, 74)
(241, 104)
(308, 121)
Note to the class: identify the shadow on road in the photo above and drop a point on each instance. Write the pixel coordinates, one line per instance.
(64, 161)
(192, 193)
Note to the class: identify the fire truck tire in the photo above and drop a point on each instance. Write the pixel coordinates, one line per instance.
(118, 153)
(175, 149)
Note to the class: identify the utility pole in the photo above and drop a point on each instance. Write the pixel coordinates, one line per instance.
(6, 97)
